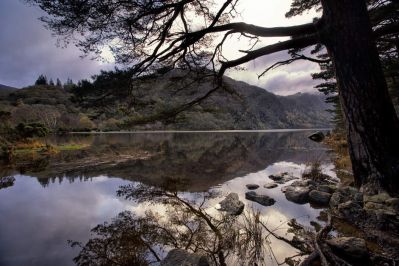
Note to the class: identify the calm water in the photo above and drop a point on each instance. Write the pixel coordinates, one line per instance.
(63, 197)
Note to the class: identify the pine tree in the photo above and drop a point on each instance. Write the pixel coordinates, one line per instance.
(58, 83)
(348, 29)
(41, 80)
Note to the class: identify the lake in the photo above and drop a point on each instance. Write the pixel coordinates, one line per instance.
(154, 189)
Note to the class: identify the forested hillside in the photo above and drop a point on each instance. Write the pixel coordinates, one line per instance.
(110, 103)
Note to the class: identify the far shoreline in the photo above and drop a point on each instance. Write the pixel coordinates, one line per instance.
(202, 131)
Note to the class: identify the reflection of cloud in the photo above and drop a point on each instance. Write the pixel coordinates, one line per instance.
(40, 220)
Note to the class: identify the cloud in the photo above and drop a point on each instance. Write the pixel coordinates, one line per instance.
(28, 49)
(285, 80)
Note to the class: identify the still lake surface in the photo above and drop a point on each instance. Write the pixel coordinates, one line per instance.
(62, 197)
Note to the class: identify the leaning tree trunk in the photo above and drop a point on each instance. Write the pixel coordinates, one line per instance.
(371, 121)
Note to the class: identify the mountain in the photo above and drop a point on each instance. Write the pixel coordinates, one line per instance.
(237, 106)
(109, 104)
(5, 90)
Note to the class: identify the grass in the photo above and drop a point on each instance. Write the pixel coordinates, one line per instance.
(71, 147)
(342, 162)
(37, 147)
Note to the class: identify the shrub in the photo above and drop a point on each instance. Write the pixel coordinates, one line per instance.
(31, 130)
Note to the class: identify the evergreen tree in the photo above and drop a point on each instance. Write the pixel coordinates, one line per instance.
(51, 82)
(69, 85)
(58, 83)
(154, 33)
(41, 80)
(328, 87)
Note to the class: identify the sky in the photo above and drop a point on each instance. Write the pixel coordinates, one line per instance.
(27, 50)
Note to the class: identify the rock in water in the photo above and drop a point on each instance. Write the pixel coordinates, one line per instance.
(297, 194)
(319, 197)
(282, 178)
(261, 199)
(317, 136)
(232, 204)
(6, 181)
(180, 257)
(353, 249)
(276, 177)
(252, 186)
(270, 185)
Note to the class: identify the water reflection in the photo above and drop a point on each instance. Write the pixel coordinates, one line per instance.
(187, 222)
(203, 159)
(80, 186)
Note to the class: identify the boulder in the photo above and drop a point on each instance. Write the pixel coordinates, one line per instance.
(252, 186)
(286, 179)
(180, 257)
(304, 183)
(261, 199)
(319, 197)
(345, 194)
(317, 136)
(282, 178)
(277, 177)
(351, 211)
(300, 183)
(373, 206)
(336, 199)
(353, 249)
(327, 188)
(297, 194)
(232, 204)
(270, 185)
(393, 203)
(378, 198)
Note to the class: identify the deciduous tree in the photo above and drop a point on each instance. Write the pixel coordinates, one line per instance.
(147, 33)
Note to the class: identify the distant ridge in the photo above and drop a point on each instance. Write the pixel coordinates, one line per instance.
(5, 87)
(238, 106)
(5, 90)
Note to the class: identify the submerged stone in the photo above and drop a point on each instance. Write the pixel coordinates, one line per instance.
(232, 204)
(261, 199)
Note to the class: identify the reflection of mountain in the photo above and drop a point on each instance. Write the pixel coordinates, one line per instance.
(202, 159)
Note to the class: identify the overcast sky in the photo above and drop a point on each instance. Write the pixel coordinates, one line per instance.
(27, 50)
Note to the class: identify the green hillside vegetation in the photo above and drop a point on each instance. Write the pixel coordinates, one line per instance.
(112, 102)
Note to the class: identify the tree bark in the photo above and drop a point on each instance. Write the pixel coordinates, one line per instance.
(371, 121)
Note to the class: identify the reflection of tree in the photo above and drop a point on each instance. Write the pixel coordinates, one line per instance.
(204, 159)
(182, 223)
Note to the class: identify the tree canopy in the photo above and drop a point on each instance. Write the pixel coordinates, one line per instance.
(147, 34)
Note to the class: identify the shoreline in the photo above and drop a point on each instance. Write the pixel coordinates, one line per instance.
(202, 131)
